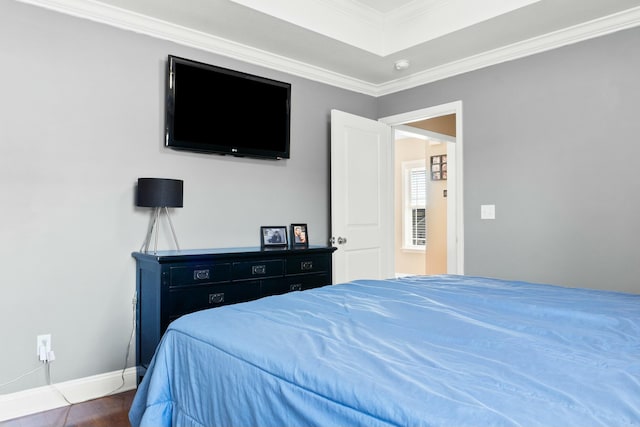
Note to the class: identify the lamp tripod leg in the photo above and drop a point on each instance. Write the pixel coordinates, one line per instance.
(175, 239)
(157, 221)
(152, 223)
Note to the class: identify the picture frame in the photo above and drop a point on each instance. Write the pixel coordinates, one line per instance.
(299, 236)
(439, 167)
(273, 236)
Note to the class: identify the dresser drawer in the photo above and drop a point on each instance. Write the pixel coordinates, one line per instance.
(185, 300)
(308, 264)
(307, 281)
(201, 273)
(258, 269)
(275, 286)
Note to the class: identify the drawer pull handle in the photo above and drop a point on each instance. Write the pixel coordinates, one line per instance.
(258, 269)
(296, 287)
(200, 274)
(306, 265)
(216, 298)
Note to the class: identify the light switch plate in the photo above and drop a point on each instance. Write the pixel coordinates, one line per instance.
(487, 211)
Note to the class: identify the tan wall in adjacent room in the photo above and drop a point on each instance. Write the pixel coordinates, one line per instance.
(436, 254)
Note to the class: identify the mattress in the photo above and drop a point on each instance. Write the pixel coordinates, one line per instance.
(416, 351)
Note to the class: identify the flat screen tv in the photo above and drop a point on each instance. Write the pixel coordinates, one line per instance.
(211, 109)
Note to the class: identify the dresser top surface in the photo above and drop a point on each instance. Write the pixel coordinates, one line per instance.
(247, 251)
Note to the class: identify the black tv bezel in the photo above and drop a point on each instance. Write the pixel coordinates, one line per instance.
(212, 148)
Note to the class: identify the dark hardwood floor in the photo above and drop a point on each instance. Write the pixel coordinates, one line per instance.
(110, 411)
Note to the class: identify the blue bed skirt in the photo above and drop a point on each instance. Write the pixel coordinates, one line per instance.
(416, 351)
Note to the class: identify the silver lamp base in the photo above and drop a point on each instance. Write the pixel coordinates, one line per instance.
(154, 224)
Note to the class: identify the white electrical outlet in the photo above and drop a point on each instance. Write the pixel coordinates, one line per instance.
(43, 347)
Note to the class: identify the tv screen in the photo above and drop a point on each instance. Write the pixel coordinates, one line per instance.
(216, 110)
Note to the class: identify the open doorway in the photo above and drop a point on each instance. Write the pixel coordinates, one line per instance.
(432, 140)
(420, 201)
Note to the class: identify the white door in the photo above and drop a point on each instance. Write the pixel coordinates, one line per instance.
(360, 194)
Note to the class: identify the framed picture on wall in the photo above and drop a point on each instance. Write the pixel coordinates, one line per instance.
(439, 167)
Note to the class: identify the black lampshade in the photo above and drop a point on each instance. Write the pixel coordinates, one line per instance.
(159, 193)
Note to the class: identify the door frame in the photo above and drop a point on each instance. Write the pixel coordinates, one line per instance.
(455, 206)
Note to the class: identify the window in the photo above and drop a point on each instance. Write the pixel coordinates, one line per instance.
(415, 205)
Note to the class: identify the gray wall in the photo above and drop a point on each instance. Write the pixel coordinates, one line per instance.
(81, 118)
(553, 141)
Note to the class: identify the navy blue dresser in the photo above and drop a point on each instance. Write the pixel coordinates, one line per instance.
(173, 283)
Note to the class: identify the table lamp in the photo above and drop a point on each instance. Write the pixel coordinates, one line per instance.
(159, 194)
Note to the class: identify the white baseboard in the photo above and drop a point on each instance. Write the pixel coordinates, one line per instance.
(27, 402)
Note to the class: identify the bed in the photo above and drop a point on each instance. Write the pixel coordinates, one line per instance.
(415, 351)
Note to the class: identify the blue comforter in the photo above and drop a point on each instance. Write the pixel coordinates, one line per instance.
(419, 351)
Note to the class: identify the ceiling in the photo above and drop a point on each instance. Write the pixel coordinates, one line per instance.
(355, 43)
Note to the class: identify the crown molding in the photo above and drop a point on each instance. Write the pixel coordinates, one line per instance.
(592, 29)
(142, 24)
(131, 21)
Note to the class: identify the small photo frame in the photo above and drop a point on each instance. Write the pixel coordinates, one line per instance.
(273, 236)
(299, 236)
